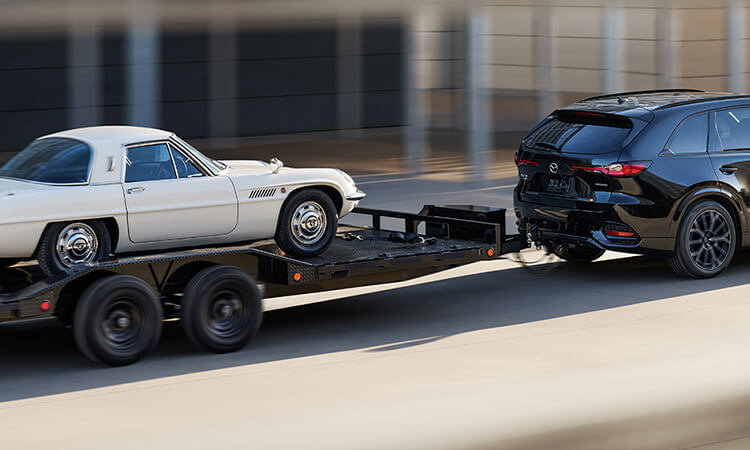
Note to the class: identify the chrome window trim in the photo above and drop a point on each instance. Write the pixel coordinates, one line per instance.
(126, 147)
(185, 151)
(200, 168)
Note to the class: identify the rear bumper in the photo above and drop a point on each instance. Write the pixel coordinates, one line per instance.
(586, 225)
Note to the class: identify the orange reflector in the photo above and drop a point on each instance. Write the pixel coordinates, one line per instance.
(490, 252)
(297, 276)
(44, 306)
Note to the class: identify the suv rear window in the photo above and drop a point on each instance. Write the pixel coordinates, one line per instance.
(51, 160)
(573, 137)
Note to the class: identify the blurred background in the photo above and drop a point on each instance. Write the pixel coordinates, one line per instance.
(423, 102)
(443, 87)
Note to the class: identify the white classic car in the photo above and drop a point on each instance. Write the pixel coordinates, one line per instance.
(78, 196)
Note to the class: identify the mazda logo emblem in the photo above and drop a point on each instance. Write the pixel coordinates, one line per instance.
(553, 167)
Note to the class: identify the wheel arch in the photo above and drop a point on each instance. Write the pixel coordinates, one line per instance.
(332, 191)
(110, 222)
(727, 198)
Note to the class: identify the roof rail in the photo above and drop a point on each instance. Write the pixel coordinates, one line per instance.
(704, 99)
(625, 94)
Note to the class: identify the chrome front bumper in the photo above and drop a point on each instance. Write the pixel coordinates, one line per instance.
(355, 196)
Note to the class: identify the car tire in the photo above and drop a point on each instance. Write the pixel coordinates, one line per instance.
(578, 255)
(221, 309)
(55, 260)
(307, 223)
(706, 241)
(117, 320)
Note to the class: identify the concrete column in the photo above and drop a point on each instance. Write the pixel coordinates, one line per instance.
(222, 80)
(415, 137)
(478, 93)
(736, 45)
(84, 76)
(544, 61)
(349, 71)
(668, 55)
(143, 76)
(614, 51)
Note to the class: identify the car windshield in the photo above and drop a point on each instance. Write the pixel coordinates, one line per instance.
(51, 160)
(212, 164)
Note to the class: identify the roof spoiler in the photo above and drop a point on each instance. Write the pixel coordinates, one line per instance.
(625, 94)
(593, 118)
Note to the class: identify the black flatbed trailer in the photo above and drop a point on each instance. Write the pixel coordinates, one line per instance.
(217, 291)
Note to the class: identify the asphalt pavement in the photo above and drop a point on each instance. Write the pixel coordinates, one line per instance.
(616, 354)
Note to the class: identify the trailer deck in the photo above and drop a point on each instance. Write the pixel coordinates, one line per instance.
(437, 238)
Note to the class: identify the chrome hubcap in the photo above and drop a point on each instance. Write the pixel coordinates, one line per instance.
(77, 244)
(308, 223)
(709, 240)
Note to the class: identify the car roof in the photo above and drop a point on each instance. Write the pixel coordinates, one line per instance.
(644, 103)
(113, 134)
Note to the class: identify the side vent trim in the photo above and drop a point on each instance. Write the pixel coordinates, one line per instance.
(262, 193)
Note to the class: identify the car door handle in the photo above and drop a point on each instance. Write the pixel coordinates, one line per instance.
(135, 189)
(728, 169)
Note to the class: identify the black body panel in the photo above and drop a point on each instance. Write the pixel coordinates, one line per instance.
(649, 203)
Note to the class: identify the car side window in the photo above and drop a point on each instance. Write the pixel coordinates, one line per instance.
(691, 136)
(185, 169)
(149, 163)
(733, 128)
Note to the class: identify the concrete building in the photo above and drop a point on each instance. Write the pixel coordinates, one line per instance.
(231, 68)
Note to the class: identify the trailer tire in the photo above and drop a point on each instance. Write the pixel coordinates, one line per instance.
(221, 309)
(117, 320)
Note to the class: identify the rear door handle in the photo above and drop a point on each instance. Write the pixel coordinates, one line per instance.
(728, 169)
(135, 189)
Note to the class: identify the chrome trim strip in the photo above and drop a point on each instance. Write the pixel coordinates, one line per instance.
(359, 195)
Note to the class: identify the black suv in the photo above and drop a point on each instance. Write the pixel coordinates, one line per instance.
(660, 172)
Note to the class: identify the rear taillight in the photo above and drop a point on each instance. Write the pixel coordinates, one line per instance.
(525, 162)
(619, 169)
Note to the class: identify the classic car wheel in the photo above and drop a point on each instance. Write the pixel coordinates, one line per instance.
(65, 246)
(307, 223)
(117, 320)
(221, 309)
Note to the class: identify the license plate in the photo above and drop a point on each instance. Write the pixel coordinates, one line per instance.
(558, 185)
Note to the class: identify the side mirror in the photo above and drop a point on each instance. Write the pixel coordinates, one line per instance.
(276, 164)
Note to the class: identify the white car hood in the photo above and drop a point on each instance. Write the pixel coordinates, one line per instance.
(246, 167)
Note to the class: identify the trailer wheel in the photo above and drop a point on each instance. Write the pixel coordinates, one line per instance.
(117, 320)
(221, 309)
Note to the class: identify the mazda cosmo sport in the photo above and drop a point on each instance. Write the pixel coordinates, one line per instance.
(79, 196)
(662, 172)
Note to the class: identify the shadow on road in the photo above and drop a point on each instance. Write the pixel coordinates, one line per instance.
(41, 358)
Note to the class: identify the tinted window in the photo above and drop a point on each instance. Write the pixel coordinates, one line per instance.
(51, 160)
(733, 127)
(691, 135)
(149, 162)
(568, 137)
(184, 167)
